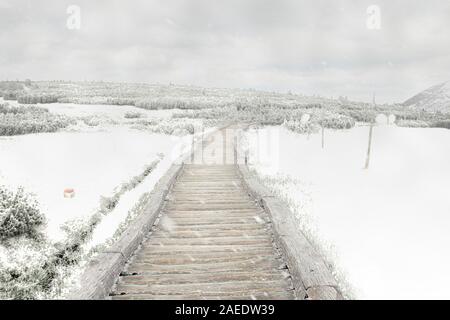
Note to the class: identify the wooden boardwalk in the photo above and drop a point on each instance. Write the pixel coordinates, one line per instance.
(213, 241)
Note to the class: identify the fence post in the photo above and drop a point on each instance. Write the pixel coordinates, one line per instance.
(235, 149)
(202, 143)
(224, 146)
(193, 149)
(369, 147)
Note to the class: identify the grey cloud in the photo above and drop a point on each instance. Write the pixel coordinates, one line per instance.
(312, 47)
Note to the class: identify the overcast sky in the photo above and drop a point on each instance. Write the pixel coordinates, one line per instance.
(311, 47)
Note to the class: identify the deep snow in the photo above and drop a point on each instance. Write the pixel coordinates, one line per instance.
(386, 228)
(92, 163)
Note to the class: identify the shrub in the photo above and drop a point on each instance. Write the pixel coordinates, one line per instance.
(171, 127)
(312, 106)
(19, 214)
(320, 119)
(10, 95)
(25, 275)
(301, 127)
(120, 101)
(133, 115)
(441, 124)
(90, 121)
(336, 121)
(412, 123)
(175, 103)
(25, 120)
(360, 115)
(34, 99)
(5, 108)
(158, 104)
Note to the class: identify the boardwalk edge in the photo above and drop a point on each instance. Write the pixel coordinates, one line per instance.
(103, 270)
(312, 279)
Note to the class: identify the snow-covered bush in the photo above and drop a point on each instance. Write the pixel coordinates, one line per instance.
(214, 113)
(121, 101)
(90, 121)
(412, 123)
(19, 214)
(25, 120)
(318, 120)
(5, 109)
(34, 98)
(301, 127)
(442, 124)
(172, 126)
(360, 114)
(10, 95)
(133, 115)
(173, 103)
(335, 121)
(24, 274)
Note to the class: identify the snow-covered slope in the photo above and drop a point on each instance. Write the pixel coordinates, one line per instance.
(436, 98)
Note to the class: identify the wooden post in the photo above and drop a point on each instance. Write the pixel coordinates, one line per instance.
(235, 149)
(369, 147)
(193, 148)
(224, 146)
(202, 144)
(323, 137)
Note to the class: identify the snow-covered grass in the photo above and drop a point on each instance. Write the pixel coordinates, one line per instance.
(92, 163)
(111, 168)
(113, 112)
(17, 120)
(384, 229)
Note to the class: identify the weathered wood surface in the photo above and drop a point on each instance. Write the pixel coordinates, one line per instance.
(213, 241)
(311, 276)
(102, 271)
(219, 235)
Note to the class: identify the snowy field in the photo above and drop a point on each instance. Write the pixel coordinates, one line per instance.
(384, 229)
(114, 112)
(94, 164)
(111, 112)
(94, 161)
(110, 165)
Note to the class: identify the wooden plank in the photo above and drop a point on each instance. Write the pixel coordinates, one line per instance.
(202, 250)
(307, 267)
(206, 288)
(212, 241)
(203, 255)
(183, 279)
(216, 241)
(243, 295)
(210, 233)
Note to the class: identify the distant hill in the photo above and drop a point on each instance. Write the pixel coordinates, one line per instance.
(436, 98)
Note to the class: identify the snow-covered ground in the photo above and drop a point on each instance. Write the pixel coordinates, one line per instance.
(92, 163)
(386, 228)
(95, 159)
(112, 112)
